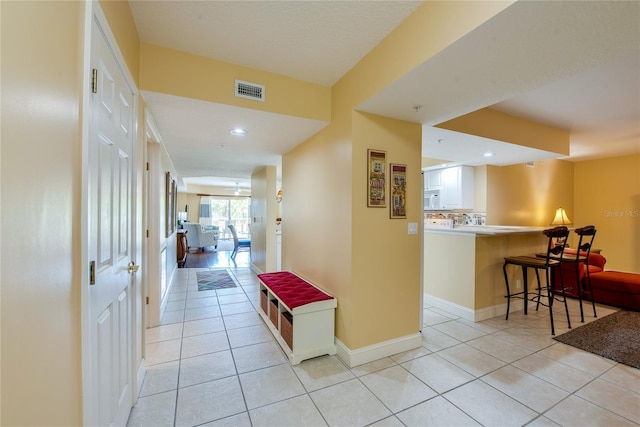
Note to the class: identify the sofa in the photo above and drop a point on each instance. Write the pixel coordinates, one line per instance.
(199, 236)
(615, 288)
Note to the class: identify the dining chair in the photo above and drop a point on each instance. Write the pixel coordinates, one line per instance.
(238, 243)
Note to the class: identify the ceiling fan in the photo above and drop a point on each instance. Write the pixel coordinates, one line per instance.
(238, 191)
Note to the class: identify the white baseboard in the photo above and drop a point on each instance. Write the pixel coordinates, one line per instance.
(473, 315)
(377, 351)
(448, 306)
(255, 269)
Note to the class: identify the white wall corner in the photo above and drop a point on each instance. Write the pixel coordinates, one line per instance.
(377, 351)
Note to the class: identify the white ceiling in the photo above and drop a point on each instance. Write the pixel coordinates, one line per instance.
(203, 151)
(572, 65)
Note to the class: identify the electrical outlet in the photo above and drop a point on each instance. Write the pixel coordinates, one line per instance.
(518, 284)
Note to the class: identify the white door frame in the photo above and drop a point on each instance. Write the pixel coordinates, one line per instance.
(152, 187)
(93, 14)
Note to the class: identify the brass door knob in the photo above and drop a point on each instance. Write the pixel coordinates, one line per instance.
(133, 268)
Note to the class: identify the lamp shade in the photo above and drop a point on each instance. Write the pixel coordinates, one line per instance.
(561, 217)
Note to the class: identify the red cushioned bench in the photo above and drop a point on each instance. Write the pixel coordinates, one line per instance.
(300, 315)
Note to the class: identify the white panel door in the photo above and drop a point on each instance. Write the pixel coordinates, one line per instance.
(110, 196)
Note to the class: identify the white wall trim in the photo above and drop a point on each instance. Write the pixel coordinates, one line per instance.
(453, 308)
(151, 129)
(473, 315)
(377, 351)
(255, 269)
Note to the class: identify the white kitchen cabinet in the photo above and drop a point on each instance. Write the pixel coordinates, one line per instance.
(433, 180)
(457, 188)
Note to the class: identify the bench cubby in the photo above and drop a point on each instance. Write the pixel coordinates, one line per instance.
(299, 315)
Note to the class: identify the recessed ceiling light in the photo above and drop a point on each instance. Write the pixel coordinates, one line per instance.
(238, 132)
(488, 154)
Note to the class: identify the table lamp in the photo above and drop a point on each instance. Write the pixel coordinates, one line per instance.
(561, 218)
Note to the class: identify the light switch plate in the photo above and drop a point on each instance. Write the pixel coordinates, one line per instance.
(412, 228)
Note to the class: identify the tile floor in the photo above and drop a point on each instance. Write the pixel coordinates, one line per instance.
(213, 362)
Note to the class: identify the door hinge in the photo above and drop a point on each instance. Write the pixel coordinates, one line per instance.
(147, 233)
(92, 273)
(147, 300)
(94, 80)
(147, 165)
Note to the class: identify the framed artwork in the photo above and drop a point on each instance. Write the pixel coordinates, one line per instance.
(398, 177)
(376, 179)
(170, 204)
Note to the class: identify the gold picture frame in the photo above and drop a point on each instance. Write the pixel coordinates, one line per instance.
(398, 190)
(376, 178)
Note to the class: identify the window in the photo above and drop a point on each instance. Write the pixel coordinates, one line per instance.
(225, 211)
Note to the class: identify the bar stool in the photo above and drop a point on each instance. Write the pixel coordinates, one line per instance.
(581, 258)
(548, 263)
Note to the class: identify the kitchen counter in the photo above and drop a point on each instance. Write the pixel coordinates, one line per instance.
(485, 230)
(463, 266)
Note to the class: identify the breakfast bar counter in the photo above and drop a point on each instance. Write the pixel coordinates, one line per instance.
(463, 266)
(486, 230)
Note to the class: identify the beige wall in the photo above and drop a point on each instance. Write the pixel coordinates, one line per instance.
(449, 267)
(385, 259)
(41, 221)
(520, 195)
(316, 216)
(607, 195)
(480, 189)
(193, 201)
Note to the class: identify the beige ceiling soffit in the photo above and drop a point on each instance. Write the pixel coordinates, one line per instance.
(211, 80)
(492, 124)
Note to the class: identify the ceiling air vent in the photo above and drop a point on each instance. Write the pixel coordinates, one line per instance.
(249, 90)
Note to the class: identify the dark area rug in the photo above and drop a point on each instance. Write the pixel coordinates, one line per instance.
(214, 279)
(616, 337)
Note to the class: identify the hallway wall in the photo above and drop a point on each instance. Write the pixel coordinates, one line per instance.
(41, 217)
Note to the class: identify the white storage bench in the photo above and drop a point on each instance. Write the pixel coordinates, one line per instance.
(300, 315)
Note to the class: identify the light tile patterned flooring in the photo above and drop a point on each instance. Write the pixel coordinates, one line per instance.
(213, 362)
